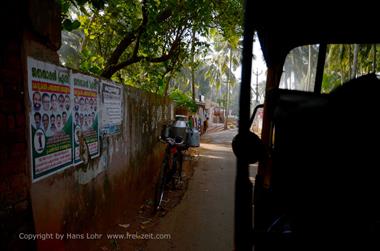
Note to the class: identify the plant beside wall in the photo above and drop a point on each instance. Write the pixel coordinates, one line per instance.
(183, 101)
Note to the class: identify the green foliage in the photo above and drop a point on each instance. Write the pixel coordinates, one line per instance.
(343, 62)
(340, 62)
(67, 23)
(330, 82)
(147, 76)
(297, 65)
(222, 101)
(224, 59)
(183, 100)
(70, 25)
(91, 62)
(145, 43)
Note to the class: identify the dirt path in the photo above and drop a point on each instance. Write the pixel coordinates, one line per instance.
(204, 218)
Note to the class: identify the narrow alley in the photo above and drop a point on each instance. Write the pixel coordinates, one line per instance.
(204, 218)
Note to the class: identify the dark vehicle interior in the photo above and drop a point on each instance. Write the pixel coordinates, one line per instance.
(317, 186)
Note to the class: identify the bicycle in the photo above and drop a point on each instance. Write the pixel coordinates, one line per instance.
(171, 169)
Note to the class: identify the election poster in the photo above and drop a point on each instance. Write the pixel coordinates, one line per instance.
(86, 115)
(50, 118)
(112, 96)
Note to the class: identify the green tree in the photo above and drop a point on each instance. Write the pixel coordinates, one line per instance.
(345, 61)
(299, 68)
(145, 42)
(222, 62)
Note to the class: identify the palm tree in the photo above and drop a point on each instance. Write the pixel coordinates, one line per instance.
(299, 68)
(224, 59)
(355, 61)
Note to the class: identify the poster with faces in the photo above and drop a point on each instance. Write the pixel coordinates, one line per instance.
(50, 118)
(65, 118)
(85, 114)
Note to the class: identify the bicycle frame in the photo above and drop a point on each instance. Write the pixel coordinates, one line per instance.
(173, 154)
(171, 165)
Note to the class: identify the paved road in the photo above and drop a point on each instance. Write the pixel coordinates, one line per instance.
(204, 218)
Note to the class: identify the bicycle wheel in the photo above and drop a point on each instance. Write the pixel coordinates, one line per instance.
(177, 166)
(160, 186)
(180, 162)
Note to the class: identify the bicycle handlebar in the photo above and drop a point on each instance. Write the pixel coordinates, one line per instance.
(170, 141)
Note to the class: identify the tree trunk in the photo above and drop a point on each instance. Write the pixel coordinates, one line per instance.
(257, 87)
(355, 61)
(308, 83)
(341, 49)
(374, 59)
(228, 92)
(287, 80)
(167, 87)
(193, 65)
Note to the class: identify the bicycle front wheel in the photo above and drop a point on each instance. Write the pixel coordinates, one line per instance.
(177, 166)
(160, 186)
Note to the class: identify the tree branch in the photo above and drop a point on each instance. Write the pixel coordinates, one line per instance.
(141, 28)
(135, 58)
(127, 41)
(129, 38)
(112, 61)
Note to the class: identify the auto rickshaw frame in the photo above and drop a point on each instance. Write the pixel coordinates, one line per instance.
(281, 26)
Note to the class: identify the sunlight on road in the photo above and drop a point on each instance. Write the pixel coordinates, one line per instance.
(215, 147)
(211, 156)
